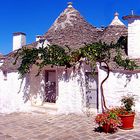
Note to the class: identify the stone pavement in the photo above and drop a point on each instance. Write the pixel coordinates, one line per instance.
(42, 126)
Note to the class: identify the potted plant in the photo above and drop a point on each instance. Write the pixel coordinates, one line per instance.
(126, 113)
(108, 121)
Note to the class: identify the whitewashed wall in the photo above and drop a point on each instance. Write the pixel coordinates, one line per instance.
(13, 93)
(37, 87)
(71, 91)
(119, 84)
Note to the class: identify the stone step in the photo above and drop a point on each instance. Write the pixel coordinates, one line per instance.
(49, 108)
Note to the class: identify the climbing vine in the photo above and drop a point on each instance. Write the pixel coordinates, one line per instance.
(55, 55)
(50, 55)
(125, 63)
(96, 52)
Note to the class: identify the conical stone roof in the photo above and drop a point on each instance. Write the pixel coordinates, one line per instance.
(114, 31)
(71, 29)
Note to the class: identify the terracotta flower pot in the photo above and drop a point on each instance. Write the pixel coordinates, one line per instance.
(127, 121)
(107, 128)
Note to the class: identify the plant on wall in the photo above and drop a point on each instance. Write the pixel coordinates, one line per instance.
(50, 55)
(96, 52)
(55, 55)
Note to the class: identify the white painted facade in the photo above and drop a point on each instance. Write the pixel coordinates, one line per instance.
(72, 93)
(13, 93)
(20, 95)
(118, 84)
(70, 90)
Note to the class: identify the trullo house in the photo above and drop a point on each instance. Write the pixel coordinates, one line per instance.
(64, 90)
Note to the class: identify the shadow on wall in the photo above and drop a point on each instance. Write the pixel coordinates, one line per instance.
(26, 88)
(91, 90)
(64, 75)
(71, 91)
(33, 88)
(76, 90)
(128, 77)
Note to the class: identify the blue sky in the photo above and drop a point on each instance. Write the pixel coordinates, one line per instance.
(34, 17)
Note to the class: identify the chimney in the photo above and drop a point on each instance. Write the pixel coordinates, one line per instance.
(19, 40)
(133, 35)
(38, 37)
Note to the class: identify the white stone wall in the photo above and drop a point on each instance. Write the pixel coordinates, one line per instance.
(71, 91)
(37, 86)
(12, 93)
(134, 38)
(119, 84)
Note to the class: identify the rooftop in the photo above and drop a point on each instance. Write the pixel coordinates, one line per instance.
(71, 29)
(116, 20)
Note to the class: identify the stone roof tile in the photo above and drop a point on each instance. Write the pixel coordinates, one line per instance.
(112, 33)
(71, 29)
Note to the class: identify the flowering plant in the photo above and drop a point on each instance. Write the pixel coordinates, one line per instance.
(128, 102)
(108, 118)
(119, 110)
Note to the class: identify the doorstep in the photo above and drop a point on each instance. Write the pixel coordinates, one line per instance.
(49, 108)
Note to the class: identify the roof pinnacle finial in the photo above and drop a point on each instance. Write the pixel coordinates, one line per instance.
(132, 12)
(116, 15)
(69, 4)
(116, 20)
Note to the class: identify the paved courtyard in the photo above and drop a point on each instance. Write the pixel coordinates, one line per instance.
(42, 126)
